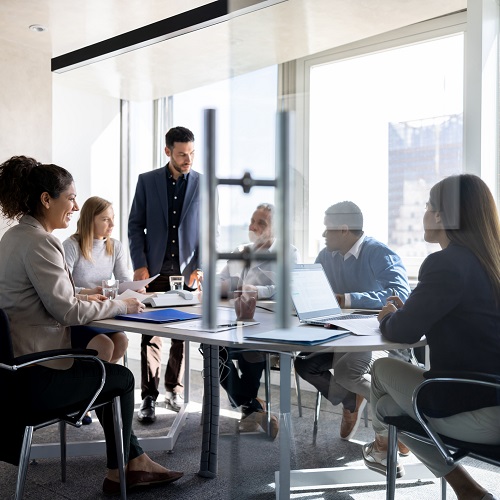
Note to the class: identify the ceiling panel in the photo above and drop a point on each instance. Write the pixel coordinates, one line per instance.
(286, 31)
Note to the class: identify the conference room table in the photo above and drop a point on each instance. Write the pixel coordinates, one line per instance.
(237, 337)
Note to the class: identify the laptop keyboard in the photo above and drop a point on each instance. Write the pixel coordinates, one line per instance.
(344, 316)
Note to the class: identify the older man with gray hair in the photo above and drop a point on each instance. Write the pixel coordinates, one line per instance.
(363, 273)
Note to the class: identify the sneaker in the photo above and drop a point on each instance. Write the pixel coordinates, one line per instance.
(174, 401)
(351, 419)
(377, 460)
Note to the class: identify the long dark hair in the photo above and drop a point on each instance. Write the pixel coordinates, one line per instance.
(23, 180)
(470, 218)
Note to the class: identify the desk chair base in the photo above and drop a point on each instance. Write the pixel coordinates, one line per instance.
(26, 450)
(314, 479)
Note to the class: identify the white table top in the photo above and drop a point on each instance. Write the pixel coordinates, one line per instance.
(234, 337)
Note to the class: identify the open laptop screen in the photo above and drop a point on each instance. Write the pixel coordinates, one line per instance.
(312, 294)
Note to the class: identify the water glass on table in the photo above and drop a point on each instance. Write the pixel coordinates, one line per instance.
(110, 288)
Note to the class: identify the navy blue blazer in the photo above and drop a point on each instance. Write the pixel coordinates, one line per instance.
(148, 223)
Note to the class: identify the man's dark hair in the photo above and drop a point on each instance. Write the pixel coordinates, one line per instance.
(178, 134)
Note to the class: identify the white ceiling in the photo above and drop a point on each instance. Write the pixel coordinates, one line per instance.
(276, 34)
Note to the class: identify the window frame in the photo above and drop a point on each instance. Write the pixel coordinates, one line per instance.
(420, 32)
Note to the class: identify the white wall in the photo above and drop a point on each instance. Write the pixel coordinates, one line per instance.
(86, 141)
(25, 104)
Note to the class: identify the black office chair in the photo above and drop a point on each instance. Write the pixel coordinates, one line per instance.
(8, 368)
(452, 450)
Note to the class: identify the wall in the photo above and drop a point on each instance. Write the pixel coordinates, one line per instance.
(86, 141)
(25, 104)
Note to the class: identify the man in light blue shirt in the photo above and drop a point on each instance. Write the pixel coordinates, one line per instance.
(363, 273)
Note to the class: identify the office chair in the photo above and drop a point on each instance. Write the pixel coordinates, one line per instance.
(452, 450)
(32, 421)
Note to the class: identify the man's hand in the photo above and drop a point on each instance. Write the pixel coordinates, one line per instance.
(340, 299)
(141, 273)
(245, 302)
(196, 278)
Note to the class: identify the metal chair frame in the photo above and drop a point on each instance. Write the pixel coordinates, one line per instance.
(452, 450)
(12, 364)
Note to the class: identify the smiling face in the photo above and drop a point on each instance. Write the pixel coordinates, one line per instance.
(57, 212)
(181, 158)
(104, 224)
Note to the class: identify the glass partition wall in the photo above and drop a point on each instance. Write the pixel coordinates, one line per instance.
(377, 123)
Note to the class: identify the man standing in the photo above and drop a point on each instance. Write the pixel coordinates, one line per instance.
(163, 231)
(363, 273)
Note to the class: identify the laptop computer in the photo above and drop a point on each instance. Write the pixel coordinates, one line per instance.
(313, 297)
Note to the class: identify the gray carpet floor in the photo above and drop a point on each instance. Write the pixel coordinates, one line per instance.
(247, 462)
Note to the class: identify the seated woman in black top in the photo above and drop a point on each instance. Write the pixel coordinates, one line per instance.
(456, 306)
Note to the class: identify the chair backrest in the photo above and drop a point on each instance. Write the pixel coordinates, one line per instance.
(6, 351)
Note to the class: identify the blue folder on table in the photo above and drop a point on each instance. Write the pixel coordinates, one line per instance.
(159, 316)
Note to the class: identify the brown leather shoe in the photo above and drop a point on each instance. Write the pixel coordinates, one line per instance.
(274, 424)
(256, 419)
(350, 419)
(140, 478)
(404, 451)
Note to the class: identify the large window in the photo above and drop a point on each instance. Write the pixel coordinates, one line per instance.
(245, 136)
(383, 128)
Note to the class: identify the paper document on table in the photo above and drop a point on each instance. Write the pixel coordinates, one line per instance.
(301, 336)
(135, 285)
(128, 294)
(362, 326)
(197, 326)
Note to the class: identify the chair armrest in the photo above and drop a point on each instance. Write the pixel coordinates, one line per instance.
(27, 360)
(454, 376)
(486, 381)
(35, 356)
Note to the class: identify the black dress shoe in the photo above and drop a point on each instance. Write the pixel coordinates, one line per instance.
(146, 413)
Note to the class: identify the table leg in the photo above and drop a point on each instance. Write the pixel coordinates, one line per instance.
(211, 407)
(283, 477)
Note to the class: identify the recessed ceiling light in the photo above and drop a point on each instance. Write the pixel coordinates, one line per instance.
(38, 28)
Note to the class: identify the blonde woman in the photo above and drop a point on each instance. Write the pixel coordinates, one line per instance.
(92, 256)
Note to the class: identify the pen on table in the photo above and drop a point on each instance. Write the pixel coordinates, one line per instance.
(227, 324)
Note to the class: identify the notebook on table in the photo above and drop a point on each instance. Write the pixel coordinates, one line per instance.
(159, 316)
(314, 299)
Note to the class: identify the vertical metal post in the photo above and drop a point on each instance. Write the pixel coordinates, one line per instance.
(283, 205)
(211, 396)
(283, 211)
(209, 224)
